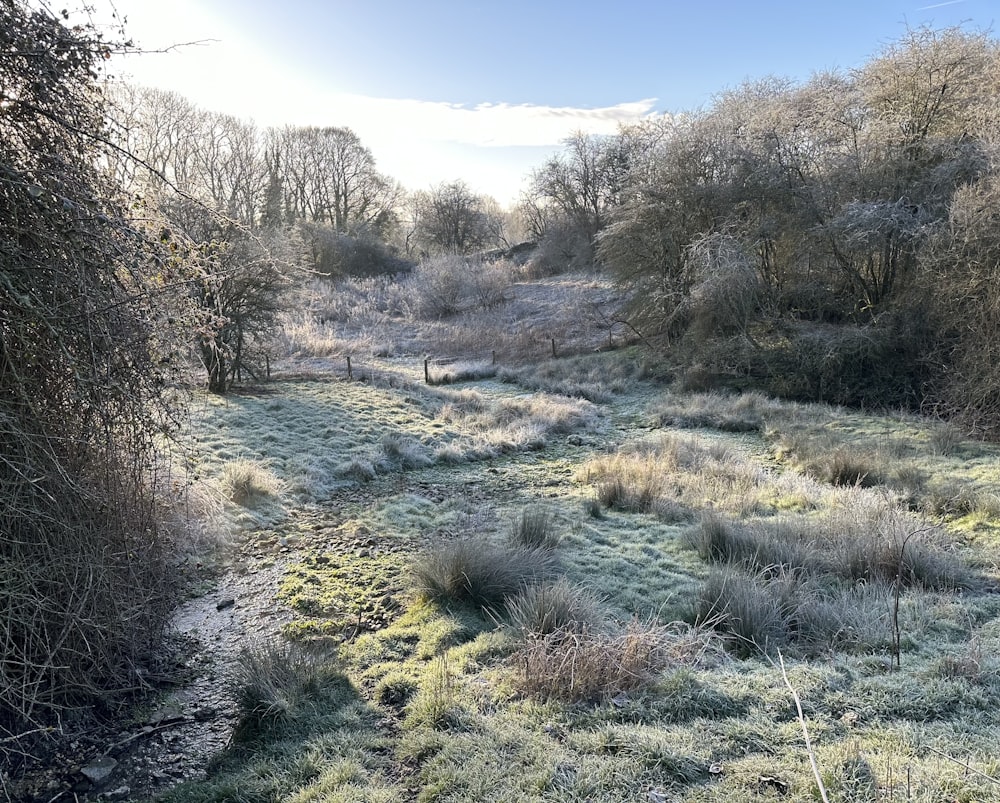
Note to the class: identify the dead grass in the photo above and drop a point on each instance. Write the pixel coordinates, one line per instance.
(247, 482)
(585, 665)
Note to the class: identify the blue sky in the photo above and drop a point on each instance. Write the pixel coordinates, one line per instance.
(443, 89)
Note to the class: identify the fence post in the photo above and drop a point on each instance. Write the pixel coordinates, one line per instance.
(350, 376)
(427, 372)
(554, 348)
(494, 356)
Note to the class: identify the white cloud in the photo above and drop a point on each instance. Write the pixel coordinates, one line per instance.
(409, 137)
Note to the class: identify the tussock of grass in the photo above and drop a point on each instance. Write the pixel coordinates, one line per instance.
(479, 572)
(535, 529)
(674, 474)
(460, 372)
(779, 608)
(588, 665)
(248, 482)
(847, 466)
(276, 684)
(543, 609)
(596, 378)
(863, 539)
(405, 452)
(747, 412)
(492, 427)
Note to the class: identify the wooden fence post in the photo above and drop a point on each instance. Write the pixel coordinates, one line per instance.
(350, 375)
(427, 371)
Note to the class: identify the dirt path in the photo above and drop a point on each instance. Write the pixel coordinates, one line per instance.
(175, 740)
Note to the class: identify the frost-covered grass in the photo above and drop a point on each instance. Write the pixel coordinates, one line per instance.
(634, 656)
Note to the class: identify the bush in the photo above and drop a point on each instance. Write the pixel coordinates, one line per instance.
(339, 255)
(480, 572)
(446, 285)
(85, 584)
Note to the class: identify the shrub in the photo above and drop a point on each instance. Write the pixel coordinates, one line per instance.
(539, 610)
(446, 285)
(479, 572)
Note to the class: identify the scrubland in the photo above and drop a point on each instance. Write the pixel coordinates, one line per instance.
(575, 583)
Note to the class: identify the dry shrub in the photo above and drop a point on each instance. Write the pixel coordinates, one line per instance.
(446, 285)
(589, 665)
(479, 572)
(85, 589)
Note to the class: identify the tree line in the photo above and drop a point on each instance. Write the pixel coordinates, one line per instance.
(835, 239)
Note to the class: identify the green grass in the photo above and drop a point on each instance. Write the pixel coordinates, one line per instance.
(557, 648)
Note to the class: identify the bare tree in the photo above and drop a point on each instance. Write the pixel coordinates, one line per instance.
(451, 219)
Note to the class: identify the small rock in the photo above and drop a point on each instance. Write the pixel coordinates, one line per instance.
(363, 553)
(121, 793)
(99, 771)
(225, 602)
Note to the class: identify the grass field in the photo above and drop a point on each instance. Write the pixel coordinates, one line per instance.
(501, 592)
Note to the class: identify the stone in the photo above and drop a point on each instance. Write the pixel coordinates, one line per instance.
(225, 602)
(99, 771)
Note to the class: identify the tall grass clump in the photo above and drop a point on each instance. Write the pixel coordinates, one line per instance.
(276, 684)
(479, 572)
(777, 608)
(861, 539)
(745, 412)
(247, 482)
(545, 608)
(535, 528)
(587, 665)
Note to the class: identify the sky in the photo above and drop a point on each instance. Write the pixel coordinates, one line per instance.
(441, 90)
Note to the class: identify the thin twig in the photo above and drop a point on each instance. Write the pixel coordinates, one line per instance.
(965, 765)
(805, 730)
